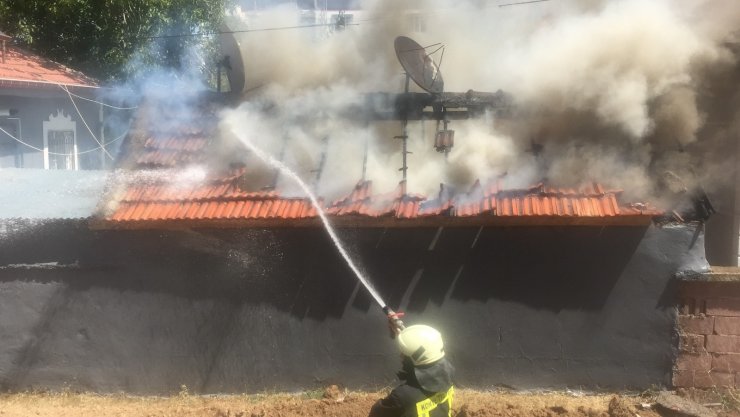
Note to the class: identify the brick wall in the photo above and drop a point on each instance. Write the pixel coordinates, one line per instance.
(709, 335)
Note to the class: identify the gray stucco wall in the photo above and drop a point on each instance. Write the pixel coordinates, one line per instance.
(33, 108)
(248, 310)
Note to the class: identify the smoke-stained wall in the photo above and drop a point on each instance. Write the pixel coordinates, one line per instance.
(249, 310)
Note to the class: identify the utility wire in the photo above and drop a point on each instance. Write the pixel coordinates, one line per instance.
(102, 104)
(522, 2)
(192, 35)
(389, 15)
(56, 153)
(85, 123)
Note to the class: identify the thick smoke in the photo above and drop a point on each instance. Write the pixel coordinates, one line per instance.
(618, 92)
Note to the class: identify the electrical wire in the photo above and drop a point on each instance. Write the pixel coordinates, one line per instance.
(389, 15)
(192, 35)
(226, 32)
(102, 104)
(85, 123)
(56, 153)
(522, 2)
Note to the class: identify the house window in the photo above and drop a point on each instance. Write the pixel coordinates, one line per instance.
(60, 142)
(61, 145)
(10, 155)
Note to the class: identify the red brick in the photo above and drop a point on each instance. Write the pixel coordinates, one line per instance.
(726, 363)
(723, 344)
(723, 307)
(689, 362)
(691, 343)
(696, 324)
(704, 379)
(683, 379)
(727, 325)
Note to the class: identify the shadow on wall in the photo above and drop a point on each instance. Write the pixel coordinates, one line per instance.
(298, 270)
(145, 311)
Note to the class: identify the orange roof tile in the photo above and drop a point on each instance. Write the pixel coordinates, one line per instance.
(221, 199)
(22, 69)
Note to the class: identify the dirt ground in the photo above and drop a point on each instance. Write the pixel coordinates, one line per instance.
(335, 402)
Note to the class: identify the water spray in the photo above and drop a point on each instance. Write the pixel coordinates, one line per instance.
(394, 319)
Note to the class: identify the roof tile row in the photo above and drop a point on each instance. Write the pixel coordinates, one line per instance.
(174, 193)
(20, 66)
(225, 200)
(197, 210)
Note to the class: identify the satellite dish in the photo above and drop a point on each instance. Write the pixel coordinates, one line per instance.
(418, 65)
(232, 52)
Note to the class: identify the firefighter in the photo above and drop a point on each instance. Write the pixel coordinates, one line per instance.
(426, 377)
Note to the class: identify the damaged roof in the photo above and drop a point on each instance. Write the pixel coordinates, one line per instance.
(223, 203)
(225, 199)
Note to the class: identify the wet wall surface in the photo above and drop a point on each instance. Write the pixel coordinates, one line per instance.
(251, 310)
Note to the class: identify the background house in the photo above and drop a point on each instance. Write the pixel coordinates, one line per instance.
(47, 117)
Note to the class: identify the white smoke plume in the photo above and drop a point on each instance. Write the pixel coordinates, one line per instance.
(611, 91)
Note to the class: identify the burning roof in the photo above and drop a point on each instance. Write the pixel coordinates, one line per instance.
(221, 202)
(225, 196)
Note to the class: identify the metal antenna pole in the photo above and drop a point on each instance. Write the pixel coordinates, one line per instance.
(364, 158)
(405, 136)
(280, 158)
(322, 162)
(405, 139)
(445, 122)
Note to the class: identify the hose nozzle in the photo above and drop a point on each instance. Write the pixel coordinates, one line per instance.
(395, 324)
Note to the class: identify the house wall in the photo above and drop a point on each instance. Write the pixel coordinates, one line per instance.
(709, 341)
(250, 310)
(33, 108)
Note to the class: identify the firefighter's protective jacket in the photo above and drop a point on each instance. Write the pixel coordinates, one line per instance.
(425, 391)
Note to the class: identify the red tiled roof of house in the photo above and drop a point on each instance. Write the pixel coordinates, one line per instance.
(362, 202)
(23, 69)
(216, 199)
(541, 200)
(222, 202)
(171, 140)
(228, 201)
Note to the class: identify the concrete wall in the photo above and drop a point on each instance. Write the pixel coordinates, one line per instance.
(246, 310)
(35, 107)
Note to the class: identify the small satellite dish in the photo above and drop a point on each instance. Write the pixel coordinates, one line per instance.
(232, 53)
(418, 65)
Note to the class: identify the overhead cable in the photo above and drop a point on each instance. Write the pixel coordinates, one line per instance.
(103, 104)
(57, 153)
(85, 123)
(193, 35)
(522, 2)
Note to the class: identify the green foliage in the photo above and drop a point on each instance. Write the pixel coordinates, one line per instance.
(114, 39)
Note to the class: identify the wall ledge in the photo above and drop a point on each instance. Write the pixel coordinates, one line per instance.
(714, 274)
